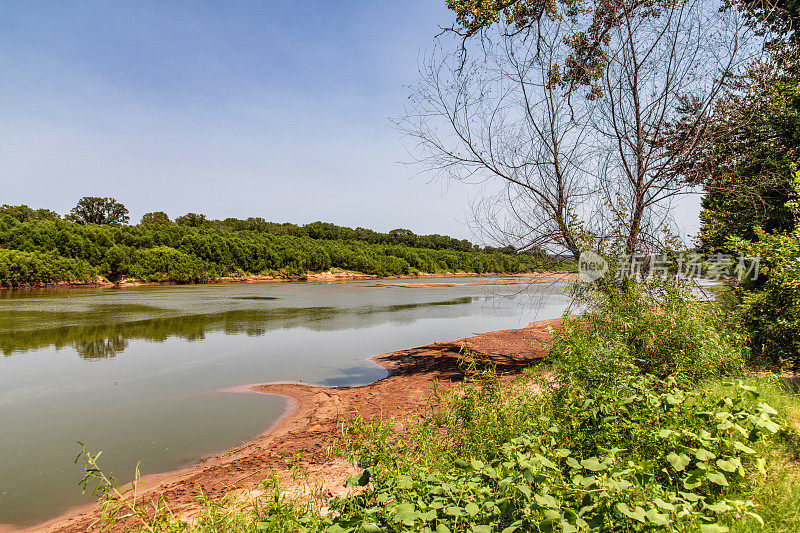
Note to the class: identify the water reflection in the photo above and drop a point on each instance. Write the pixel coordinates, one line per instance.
(101, 348)
(104, 331)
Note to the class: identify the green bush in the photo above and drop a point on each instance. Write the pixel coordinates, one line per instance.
(655, 456)
(21, 268)
(163, 263)
(770, 304)
(771, 310)
(654, 327)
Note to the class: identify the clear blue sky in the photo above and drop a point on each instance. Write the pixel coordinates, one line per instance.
(232, 109)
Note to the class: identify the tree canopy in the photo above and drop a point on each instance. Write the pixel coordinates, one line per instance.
(96, 210)
(156, 217)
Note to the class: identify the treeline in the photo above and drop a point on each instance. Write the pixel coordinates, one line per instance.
(47, 250)
(328, 231)
(109, 211)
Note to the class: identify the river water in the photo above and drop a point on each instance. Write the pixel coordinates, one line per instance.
(141, 373)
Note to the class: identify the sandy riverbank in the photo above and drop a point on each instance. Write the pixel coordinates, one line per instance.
(315, 416)
(311, 277)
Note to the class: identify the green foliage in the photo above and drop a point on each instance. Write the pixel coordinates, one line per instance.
(184, 253)
(684, 456)
(753, 139)
(156, 217)
(23, 213)
(589, 44)
(770, 305)
(163, 263)
(20, 268)
(771, 311)
(654, 327)
(746, 165)
(193, 220)
(96, 210)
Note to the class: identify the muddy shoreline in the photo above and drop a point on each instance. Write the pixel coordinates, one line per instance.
(319, 277)
(314, 419)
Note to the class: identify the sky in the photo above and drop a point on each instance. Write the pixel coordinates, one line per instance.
(269, 109)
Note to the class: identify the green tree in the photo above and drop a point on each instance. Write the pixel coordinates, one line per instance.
(156, 217)
(23, 213)
(96, 210)
(747, 166)
(770, 304)
(752, 140)
(193, 220)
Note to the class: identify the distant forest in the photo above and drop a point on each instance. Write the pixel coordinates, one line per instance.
(40, 247)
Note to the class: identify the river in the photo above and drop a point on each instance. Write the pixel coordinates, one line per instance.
(141, 373)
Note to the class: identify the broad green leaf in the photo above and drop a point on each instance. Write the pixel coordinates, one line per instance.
(549, 524)
(636, 514)
(545, 500)
(719, 507)
(455, 511)
(476, 464)
(769, 425)
(756, 516)
(656, 518)
(730, 464)
(678, 461)
(405, 513)
(690, 496)
(664, 505)
(743, 448)
(717, 478)
(761, 464)
(552, 514)
(704, 455)
(472, 508)
(481, 529)
(766, 408)
(674, 399)
(593, 464)
(544, 461)
(429, 516)
(618, 484)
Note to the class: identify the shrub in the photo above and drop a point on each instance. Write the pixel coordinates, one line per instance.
(163, 263)
(654, 327)
(770, 304)
(770, 311)
(20, 268)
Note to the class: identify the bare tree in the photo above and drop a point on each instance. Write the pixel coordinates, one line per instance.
(577, 161)
(657, 66)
